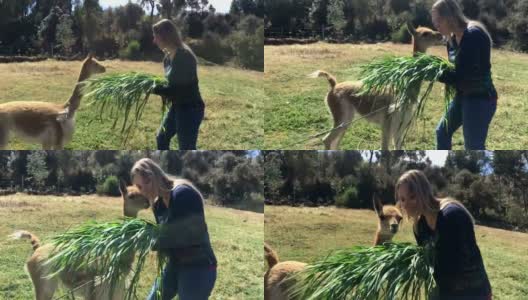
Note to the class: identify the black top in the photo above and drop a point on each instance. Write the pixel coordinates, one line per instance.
(458, 268)
(184, 236)
(181, 73)
(472, 59)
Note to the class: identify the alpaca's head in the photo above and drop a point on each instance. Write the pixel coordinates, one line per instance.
(91, 66)
(133, 200)
(423, 37)
(389, 218)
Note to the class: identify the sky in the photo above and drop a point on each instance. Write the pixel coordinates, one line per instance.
(437, 157)
(222, 6)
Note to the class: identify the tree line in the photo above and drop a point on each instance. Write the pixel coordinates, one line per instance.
(227, 178)
(383, 20)
(492, 185)
(75, 27)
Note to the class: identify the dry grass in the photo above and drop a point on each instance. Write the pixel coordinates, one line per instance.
(295, 106)
(306, 234)
(233, 97)
(236, 236)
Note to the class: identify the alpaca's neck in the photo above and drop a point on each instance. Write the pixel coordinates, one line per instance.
(382, 238)
(417, 47)
(414, 89)
(75, 99)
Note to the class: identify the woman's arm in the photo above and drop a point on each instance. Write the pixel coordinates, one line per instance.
(455, 237)
(172, 89)
(186, 225)
(182, 77)
(468, 62)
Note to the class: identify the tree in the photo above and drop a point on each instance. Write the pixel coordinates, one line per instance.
(64, 34)
(273, 179)
(12, 10)
(473, 161)
(152, 4)
(36, 167)
(318, 14)
(48, 28)
(91, 13)
(336, 16)
(243, 7)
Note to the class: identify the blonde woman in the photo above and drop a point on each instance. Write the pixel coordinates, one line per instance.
(191, 269)
(475, 102)
(187, 107)
(458, 270)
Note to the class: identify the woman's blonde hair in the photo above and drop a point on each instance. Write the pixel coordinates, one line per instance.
(418, 185)
(452, 10)
(169, 33)
(150, 170)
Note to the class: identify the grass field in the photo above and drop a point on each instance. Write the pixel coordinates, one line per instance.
(305, 234)
(236, 237)
(233, 98)
(295, 108)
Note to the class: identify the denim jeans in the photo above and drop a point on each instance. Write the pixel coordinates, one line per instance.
(184, 122)
(188, 282)
(474, 114)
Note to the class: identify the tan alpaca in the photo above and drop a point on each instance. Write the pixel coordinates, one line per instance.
(345, 103)
(85, 284)
(49, 124)
(278, 280)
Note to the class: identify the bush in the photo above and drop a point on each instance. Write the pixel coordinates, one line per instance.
(402, 35)
(249, 49)
(131, 52)
(212, 48)
(109, 187)
(348, 198)
(519, 29)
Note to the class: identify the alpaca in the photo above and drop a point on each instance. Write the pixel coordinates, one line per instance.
(345, 104)
(49, 124)
(83, 283)
(278, 280)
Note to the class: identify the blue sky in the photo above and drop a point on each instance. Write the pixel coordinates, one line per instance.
(220, 5)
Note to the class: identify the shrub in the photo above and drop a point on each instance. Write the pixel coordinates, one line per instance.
(109, 187)
(401, 35)
(131, 52)
(249, 49)
(348, 198)
(212, 47)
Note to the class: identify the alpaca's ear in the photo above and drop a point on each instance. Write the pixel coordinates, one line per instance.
(123, 187)
(410, 28)
(90, 55)
(378, 206)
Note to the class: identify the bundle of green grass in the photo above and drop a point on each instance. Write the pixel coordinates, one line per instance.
(119, 95)
(390, 271)
(108, 250)
(400, 75)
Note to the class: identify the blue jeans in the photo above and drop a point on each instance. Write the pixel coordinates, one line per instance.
(183, 121)
(474, 114)
(188, 282)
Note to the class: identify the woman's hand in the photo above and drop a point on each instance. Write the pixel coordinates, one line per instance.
(156, 89)
(155, 246)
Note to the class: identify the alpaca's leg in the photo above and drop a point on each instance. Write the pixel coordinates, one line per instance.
(4, 135)
(59, 145)
(44, 286)
(386, 132)
(403, 125)
(345, 116)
